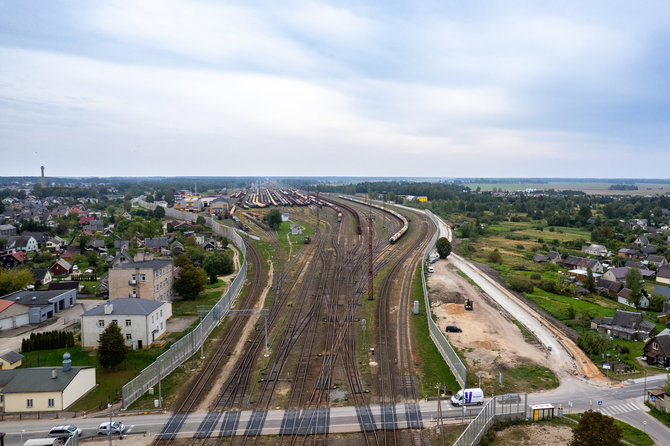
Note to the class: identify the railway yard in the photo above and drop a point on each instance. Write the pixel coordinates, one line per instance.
(320, 357)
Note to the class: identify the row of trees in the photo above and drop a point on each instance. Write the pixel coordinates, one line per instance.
(48, 340)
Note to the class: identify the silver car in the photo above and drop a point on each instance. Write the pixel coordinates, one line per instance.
(64, 431)
(117, 427)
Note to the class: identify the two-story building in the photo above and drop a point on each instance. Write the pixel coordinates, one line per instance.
(25, 243)
(142, 322)
(149, 279)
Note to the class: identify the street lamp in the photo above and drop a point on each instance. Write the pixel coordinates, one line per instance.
(109, 429)
(22, 431)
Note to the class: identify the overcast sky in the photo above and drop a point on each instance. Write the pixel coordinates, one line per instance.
(444, 88)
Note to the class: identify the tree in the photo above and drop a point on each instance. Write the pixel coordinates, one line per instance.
(149, 198)
(200, 220)
(594, 343)
(443, 247)
(112, 349)
(590, 281)
(191, 241)
(191, 282)
(14, 279)
(159, 212)
(494, 256)
(656, 302)
(273, 219)
(217, 264)
(595, 429)
(634, 284)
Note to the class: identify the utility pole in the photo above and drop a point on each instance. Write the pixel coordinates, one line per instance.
(370, 272)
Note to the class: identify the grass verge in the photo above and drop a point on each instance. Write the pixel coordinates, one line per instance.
(435, 369)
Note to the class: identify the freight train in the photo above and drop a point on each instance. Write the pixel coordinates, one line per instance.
(395, 237)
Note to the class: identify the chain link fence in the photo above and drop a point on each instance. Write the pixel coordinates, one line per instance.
(446, 350)
(187, 346)
(500, 407)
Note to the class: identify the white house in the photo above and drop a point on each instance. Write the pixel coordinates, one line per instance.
(25, 243)
(143, 322)
(595, 250)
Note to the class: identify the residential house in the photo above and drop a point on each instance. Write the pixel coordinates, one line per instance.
(626, 325)
(657, 349)
(10, 360)
(657, 261)
(43, 304)
(143, 322)
(608, 287)
(641, 241)
(571, 262)
(149, 279)
(42, 276)
(7, 231)
(663, 275)
(624, 295)
(61, 268)
(628, 253)
(540, 258)
(176, 248)
(664, 290)
(155, 244)
(95, 226)
(649, 250)
(14, 259)
(86, 219)
(595, 250)
(55, 244)
(554, 257)
(98, 246)
(40, 237)
(25, 243)
(41, 389)
(209, 245)
(13, 314)
(594, 264)
(122, 245)
(616, 274)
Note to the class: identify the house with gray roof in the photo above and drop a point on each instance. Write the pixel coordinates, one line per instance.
(658, 261)
(143, 322)
(10, 360)
(663, 275)
(41, 389)
(7, 231)
(627, 325)
(25, 243)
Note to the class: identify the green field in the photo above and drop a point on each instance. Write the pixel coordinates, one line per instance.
(588, 187)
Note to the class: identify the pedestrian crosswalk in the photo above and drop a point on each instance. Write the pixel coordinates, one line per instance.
(619, 409)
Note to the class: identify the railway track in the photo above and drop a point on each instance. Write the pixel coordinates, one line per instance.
(204, 380)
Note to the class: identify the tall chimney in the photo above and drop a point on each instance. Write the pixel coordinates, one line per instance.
(43, 183)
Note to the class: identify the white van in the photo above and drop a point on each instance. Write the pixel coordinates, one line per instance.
(431, 269)
(467, 397)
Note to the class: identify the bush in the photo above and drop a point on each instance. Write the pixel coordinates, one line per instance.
(536, 276)
(548, 285)
(494, 256)
(520, 246)
(520, 284)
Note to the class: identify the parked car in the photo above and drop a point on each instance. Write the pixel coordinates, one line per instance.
(453, 329)
(117, 428)
(431, 269)
(64, 431)
(75, 268)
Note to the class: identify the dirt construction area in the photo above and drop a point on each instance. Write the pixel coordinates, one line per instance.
(489, 340)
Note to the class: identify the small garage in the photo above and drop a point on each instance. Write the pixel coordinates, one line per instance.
(13, 314)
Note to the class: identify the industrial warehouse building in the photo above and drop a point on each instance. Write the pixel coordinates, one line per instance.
(43, 305)
(42, 389)
(142, 322)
